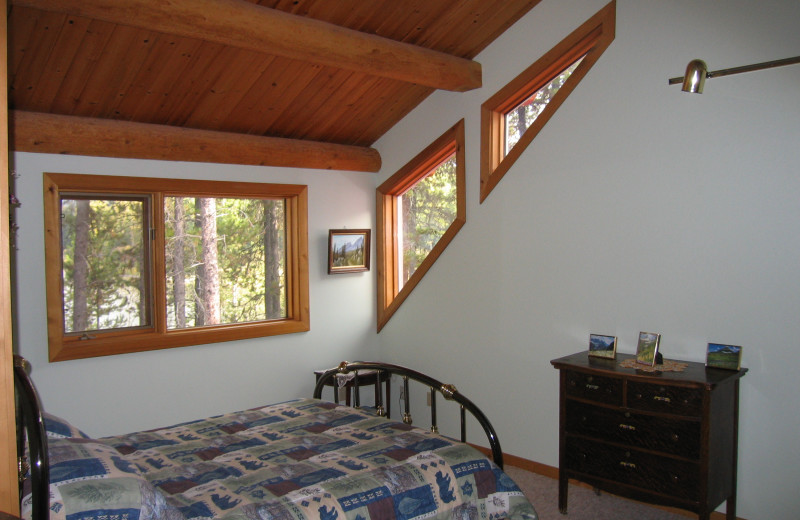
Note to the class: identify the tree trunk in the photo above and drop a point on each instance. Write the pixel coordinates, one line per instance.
(178, 270)
(522, 123)
(272, 252)
(210, 294)
(80, 312)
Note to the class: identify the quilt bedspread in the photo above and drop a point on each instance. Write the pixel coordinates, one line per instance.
(303, 459)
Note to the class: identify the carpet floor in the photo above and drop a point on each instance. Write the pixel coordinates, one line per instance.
(583, 503)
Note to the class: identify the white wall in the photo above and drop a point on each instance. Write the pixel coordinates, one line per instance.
(131, 392)
(637, 208)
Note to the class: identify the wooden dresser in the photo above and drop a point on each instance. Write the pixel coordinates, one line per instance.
(667, 438)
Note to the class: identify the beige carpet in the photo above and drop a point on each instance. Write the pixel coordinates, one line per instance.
(583, 503)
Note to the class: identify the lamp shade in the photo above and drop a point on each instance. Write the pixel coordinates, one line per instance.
(695, 77)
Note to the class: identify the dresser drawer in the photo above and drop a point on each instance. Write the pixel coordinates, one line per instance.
(628, 466)
(595, 388)
(676, 400)
(672, 436)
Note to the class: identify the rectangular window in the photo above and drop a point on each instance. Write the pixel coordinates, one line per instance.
(225, 261)
(139, 264)
(104, 259)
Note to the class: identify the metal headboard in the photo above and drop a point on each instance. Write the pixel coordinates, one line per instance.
(31, 432)
(447, 390)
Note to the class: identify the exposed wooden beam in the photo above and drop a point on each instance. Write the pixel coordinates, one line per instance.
(247, 25)
(71, 135)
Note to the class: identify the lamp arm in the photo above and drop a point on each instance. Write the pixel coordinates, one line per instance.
(745, 68)
(755, 66)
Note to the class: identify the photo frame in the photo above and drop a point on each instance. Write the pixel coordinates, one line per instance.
(728, 357)
(602, 346)
(647, 348)
(348, 250)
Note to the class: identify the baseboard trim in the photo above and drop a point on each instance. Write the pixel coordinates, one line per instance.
(552, 472)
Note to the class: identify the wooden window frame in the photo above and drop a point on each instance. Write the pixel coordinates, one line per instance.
(589, 40)
(156, 336)
(390, 295)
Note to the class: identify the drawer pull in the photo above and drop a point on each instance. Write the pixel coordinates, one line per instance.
(592, 387)
(630, 465)
(628, 427)
(662, 399)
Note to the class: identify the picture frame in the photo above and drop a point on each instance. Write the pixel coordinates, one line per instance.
(647, 348)
(603, 346)
(728, 357)
(348, 250)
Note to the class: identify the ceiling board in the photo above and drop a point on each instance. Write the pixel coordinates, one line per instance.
(64, 64)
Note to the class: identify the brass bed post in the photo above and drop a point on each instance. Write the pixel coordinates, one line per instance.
(380, 411)
(357, 397)
(406, 401)
(434, 427)
(463, 424)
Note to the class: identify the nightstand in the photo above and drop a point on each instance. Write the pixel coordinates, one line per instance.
(365, 378)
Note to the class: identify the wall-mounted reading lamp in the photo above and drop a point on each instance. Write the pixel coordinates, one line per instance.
(697, 72)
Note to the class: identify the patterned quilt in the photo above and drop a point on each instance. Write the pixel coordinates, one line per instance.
(304, 459)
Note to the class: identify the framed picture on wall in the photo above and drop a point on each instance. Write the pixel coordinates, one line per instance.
(647, 348)
(348, 250)
(724, 356)
(602, 346)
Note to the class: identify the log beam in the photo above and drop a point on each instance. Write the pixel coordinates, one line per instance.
(251, 26)
(72, 135)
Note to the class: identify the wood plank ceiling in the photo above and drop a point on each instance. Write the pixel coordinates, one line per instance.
(304, 83)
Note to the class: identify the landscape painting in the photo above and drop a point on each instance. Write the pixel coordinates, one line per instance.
(647, 348)
(348, 250)
(724, 356)
(602, 346)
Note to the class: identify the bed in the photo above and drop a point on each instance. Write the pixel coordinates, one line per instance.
(302, 459)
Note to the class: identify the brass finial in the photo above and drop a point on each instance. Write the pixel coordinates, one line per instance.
(448, 390)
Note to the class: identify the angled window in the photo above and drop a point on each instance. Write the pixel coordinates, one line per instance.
(420, 209)
(141, 264)
(512, 118)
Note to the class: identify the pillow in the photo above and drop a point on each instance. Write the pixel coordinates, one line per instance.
(58, 428)
(92, 480)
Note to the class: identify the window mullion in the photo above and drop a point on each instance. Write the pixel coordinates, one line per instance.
(158, 277)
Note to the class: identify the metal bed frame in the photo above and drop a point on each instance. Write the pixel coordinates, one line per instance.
(31, 433)
(33, 462)
(449, 392)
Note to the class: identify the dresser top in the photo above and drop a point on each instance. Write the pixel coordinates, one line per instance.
(695, 373)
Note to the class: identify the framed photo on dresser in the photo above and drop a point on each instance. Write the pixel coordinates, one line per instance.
(602, 346)
(724, 356)
(647, 348)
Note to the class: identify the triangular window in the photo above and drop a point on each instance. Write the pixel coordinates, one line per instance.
(512, 118)
(518, 120)
(420, 209)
